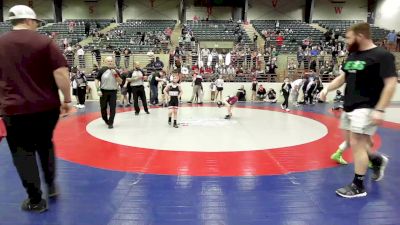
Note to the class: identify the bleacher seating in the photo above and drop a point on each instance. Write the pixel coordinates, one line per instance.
(94, 23)
(291, 42)
(4, 27)
(133, 30)
(62, 31)
(377, 32)
(216, 30)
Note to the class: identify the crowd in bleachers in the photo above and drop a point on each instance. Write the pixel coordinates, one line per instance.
(138, 36)
(315, 51)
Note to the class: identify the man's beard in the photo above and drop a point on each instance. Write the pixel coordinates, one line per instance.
(353, 47)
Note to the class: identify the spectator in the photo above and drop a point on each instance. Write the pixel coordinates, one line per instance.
(391, 39)
(81, 84)
(261, 93)
(254, 84)
(138, 91)
(117, 55)
(271, 96)
(398, 42)
(155, 78)
(241, 93)
(81, 56)
(300, 56)
(71, 26)
(127, 55)
(197, 88)
(97, 55)
(158, 64)
(279, 42)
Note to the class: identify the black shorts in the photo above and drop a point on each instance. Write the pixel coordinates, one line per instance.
(220, 88)
(173, 103)
(74, 91)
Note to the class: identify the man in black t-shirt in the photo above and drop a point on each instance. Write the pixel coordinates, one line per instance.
(370, 77)
(117, 54)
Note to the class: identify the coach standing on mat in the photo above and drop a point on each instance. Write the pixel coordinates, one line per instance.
(370, 77)
(138, 89)
(107, 82)
(32, 70)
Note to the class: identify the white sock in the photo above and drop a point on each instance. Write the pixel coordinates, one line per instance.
(343, 146)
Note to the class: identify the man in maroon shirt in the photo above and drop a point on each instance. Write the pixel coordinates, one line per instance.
(32, 70)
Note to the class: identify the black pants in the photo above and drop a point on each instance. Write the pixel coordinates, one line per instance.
(129, 94)
(310, 94)
(117, 61)
(27, 135)
(108, 98)
(138, 91)
(286, 100)
(81, 95)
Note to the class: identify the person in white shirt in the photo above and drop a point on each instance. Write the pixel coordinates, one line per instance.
(213, 88)
(296, 86)
(219, 83)
(228, 59)
(81, 56)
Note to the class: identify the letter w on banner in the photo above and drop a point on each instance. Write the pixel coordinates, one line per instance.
(338, 10)
(274, 3)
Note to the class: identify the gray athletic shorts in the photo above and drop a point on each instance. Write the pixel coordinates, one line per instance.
(124, 90)
(358, 121)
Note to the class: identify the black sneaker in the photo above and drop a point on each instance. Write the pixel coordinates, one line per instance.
(110, 126)
(379, 171)
(147, 112)
(189, 102)
(169, 122)
(351, 191)
(52, 191)
(37, 208)
(227, 117)
(176, 126)
(136, 113)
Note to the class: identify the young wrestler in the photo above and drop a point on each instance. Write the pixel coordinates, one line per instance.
(174, 92)
(229, 102)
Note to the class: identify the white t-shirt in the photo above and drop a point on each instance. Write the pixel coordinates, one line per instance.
(228, 59)
(219, 82)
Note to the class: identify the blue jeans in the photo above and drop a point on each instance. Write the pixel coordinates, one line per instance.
(153, 94)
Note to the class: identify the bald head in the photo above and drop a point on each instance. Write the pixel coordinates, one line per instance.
(109, 61)
(137, 65)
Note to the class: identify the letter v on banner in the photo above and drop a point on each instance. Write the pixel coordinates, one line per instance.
(338, 9)
(274, 3)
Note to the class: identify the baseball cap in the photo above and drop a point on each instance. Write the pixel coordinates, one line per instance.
(22, 12)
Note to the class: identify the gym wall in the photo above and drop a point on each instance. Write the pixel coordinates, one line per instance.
(387, 14)
(283, 10)
(351, 10)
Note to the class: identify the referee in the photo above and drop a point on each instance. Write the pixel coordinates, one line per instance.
(32, 70)
(107, 82)
(370, 76)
